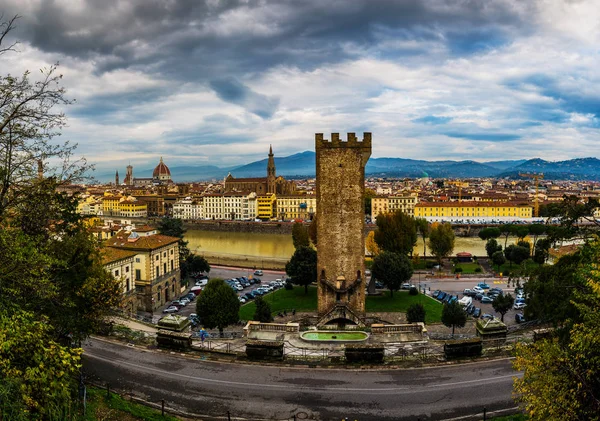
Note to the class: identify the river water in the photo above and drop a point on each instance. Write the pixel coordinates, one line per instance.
(280, 246)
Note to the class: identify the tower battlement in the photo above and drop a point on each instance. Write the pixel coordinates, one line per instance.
(351, 142)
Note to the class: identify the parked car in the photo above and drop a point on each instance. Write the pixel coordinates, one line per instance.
(468, 293)
(379, 285)
(435, 293)
(487, 316)
(465, 301)
(479, 296)
(441, 295)
(257, 280)
(184, 300)
(468, 308)
(476, 312)
(471, 309)
(242, 300)
(177, 304)
(519, 318)
(477, 289)
(483, 285)
(258, 272)
(496, 289)
(171, 309)
(407, 286)
(248, 296)
(255, 293)
(519, 305)
(486, 300)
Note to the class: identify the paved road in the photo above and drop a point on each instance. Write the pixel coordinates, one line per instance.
(278, 393)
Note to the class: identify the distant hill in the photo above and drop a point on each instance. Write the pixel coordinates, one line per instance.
(303, 165)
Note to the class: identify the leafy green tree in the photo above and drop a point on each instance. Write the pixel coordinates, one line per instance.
(396, 232)
(550, 290)
(492, 246)
(193, 264)
(502, 303)
(393, 269)
(516, 254)
(541, 251)
(506, 230)
(453, 315)
(498, 259)
(173, 227)
(263, 311)
(218, 306)
(521, 231)
(300, 236)
(423, 229)
(536, 230)
(560, 374)
(441, 241)
(302, 267)
(489, 233)
(368, 196)
(36, 373)
(416, 313)
(312, 230)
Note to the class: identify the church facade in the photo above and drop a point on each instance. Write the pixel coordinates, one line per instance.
(271, 184)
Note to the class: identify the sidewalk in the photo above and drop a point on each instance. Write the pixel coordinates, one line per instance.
(132, 324)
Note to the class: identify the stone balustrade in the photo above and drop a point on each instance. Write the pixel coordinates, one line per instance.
(379, 328)
(271, 327)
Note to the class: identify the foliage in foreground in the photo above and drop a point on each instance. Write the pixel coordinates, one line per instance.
(560, 380)
(393, 269)
(218, 305)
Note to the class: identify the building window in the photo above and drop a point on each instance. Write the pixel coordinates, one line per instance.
(157, 256)
(128, 286)
(138, 274)
(164, 268)
(165, 254)
(171, 252)
(117, 272)
(126, 269)
(157, 271)
(172, 265)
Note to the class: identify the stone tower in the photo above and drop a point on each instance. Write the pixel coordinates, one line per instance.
(117, 178)
(340, 227)
(271, 172)
(129, 175)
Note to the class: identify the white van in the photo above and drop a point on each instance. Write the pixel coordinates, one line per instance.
(465, 301)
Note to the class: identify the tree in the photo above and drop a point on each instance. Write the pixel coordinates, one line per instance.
(489, 233)
(560, 374)
(453, 315)
(441, 241)
(36, 373)
(506, 230)
(300, 235)
(218, 306)
(521, 231)
(423, 229)
(492, 246)
(302, 267)
(541, 251)
(263, 311)
(312, 230)
(502, 303)
(516, 254)
(415, 313)
(371, 245)
(194, 264)
(498, 259)
(396, 232)
(173, 227)
(369, 194)
(536, 230)
(393, 269)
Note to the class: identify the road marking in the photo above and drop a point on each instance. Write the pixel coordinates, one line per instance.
(411, 389)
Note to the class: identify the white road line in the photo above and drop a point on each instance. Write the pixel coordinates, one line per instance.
(295, 387)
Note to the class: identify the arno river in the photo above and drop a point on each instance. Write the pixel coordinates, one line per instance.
(279, 246)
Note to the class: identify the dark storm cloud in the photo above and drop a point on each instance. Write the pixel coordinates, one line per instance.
(233, 91)
(202, 40)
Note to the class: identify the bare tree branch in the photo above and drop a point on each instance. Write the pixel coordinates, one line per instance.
(5, 28)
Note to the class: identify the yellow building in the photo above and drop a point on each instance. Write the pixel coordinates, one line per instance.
(501, 211)
(296, 207)
(266, 206)
(110, 204)
(133, 208)
(155, 268)
(120, 263)
(385, 204)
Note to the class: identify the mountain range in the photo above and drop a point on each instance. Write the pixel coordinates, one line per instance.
(302, 165)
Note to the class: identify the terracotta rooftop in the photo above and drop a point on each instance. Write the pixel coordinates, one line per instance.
(110, 254)
(149, 242)
(470, 204)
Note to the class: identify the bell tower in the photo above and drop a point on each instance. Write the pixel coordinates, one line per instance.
(271, 172)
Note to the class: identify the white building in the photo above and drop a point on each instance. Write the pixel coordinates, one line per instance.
(188, 209)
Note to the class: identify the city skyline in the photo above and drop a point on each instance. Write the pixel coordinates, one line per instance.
(199, 82)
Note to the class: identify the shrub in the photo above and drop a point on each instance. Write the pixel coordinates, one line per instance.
(415, 313)
(289, 286)
(477, 269)
(413, 291)
(458, 270)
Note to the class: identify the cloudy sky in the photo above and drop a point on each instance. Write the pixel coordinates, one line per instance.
(215, 82)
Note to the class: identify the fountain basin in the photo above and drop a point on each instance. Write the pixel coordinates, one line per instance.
(334, 336)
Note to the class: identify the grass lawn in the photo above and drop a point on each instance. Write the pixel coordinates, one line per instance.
(469, 267)
(115, 408)
(515, 269)
(283, 299)
(400, 303)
